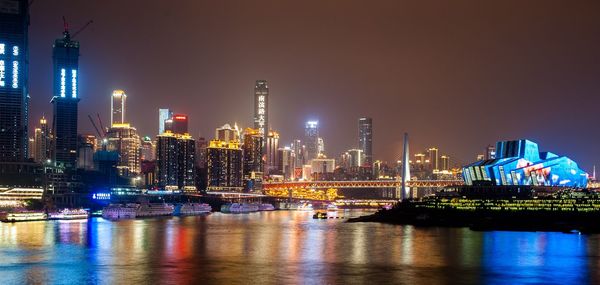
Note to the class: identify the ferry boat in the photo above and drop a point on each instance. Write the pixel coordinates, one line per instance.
(22, 216)
(266, 207)
(332, 208)
(118, 211)
(154, 210)
(189, 209)
(69, 214)
(239, 208)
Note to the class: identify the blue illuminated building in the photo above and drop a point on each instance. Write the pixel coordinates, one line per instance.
(65, 55)
(520, 163)
(14, 22)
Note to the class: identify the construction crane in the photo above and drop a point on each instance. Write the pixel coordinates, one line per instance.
(101, 125)
(66, 25)
(95, 127)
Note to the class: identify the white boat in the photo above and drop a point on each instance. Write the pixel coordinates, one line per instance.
(154, 210)
(69, 214)
(305, 207)
(118, 211)
(332, 208)
(22, 216)
(266, 207)
(188, 209)
(239, 208)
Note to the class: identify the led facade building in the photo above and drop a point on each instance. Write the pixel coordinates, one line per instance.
(365, 140)
(176, 161)
(225, 171)
(434, 159)
(261, 110)
(14, 22)
(445, 162)
(117, 107)
(180, 124)
(65, 55)
(520, 163)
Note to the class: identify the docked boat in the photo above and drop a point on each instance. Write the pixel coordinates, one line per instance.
(22, 216)
(118, 211)
(332, 208)
(306, 207)
(190, 209)
(266, 207)
(69, 214)
(154, 210)
(239, 208)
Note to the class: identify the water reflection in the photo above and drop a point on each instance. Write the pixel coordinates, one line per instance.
(288, 248)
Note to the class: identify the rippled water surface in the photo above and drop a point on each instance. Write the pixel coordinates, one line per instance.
(286, 247)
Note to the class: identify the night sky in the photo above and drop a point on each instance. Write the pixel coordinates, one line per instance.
(454, 74)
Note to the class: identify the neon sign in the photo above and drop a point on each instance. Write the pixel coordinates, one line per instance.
(74, 83)
(63, 74)
(261, 114)
(2, 70)
(15, 50)
(2, 47)
(15, 75)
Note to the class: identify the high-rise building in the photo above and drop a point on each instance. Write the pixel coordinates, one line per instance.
(117, 107)
(176, 161)
(490, 152)
(85, 152)
(445, 162)
(65, 55)
(42, 142)
(180, 124)
(201, 145)
(226, 133)
(253, 154)
(14, 94)
(356, 157)
(434, 159)
(271, 154)
(298, 149)
(225, 171)
(261, 110)
(148, 149)
(163, 115)
(285, 162)
(125, 140)
(311, 140)
(365, 140)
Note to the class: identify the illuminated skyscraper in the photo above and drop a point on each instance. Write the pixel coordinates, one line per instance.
(117, 107)
(405, 190)
(311, 140)
(176, 161)
(261, 110)
(445, 162)
(253, 154)
(85, 152)
(180, 124)
(163, 115)
(298, 149)
(365, 140)
(271, 154)
(356, 157)
(225, 171)
(226, 133)
(14, 22)
(148, 149)
(125, 140)
(434, 159)
(42, 142)
(65, 55)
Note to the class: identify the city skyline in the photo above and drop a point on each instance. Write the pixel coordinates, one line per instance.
(321, 81)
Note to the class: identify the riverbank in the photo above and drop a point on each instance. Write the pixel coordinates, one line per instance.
(429, 214)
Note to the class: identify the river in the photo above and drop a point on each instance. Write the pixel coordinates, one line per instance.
(286, 247)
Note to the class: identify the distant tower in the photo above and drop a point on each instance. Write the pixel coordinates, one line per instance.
(14, 22)
(365, 140)
(117, 107)
(405, 170)
(65, 54)
(311, 140)
(261, 110)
